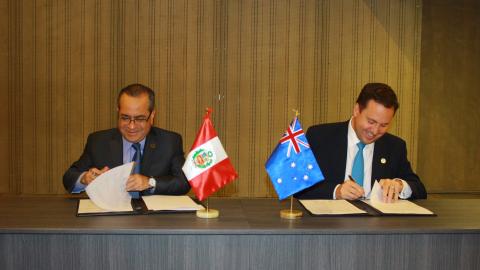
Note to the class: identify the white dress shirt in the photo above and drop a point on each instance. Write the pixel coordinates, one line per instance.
(352, 150)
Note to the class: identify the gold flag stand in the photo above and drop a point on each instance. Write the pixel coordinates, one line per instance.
(208, 213)
(290, 213)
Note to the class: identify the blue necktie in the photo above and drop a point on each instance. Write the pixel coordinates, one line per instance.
(357, 168)
(137, 158)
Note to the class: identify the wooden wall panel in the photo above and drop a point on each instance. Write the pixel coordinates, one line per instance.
(449, 152)
(7, 77)
(59, 93)
(251, 61)
(28, 156)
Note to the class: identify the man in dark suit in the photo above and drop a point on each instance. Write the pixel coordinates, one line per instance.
(353, 154)
(160, 157)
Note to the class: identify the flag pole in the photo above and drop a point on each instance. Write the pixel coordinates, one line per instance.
(290, 213)
(291, 203)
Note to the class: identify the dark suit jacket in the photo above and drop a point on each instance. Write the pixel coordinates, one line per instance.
(329, 145)
(162, 159)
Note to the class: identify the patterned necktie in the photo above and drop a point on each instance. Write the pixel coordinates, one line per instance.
(137, 158)
(357, 168)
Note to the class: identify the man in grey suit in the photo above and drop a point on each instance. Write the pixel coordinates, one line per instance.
(353, 154)
(160, 152)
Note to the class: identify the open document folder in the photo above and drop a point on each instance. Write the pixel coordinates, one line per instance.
(152, 204)
(375, 206)
(108, 196)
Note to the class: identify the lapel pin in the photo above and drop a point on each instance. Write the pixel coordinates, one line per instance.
(153, 146)
(383, 160)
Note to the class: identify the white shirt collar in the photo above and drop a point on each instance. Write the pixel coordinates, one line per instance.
(353, 139)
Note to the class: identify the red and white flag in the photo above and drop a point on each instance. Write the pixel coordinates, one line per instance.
(207, 166)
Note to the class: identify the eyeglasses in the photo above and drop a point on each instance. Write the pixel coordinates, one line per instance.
(125, 119)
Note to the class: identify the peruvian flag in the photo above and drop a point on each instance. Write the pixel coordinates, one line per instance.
(207, 166)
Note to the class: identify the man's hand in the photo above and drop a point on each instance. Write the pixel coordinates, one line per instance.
(391, 189)
(137, 182)
(349, 190)
(91, 174)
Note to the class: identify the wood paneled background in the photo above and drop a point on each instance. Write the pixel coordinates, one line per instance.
(449, 148)
(63, 63)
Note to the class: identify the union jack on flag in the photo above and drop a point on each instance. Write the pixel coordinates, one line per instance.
(294, 136)
(293, 173)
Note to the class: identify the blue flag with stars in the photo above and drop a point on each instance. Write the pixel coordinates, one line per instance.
(292, 166)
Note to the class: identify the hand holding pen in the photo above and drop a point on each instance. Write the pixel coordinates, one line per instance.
(349, 190)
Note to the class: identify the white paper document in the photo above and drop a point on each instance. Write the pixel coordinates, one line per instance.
(399, 207)
(331, 207)
(108, 190)
(171, 203)
(86, 206)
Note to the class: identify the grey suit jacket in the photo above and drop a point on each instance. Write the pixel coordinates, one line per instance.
(162, 159)
(329, 145)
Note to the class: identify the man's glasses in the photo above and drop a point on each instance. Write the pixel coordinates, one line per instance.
(125, 119)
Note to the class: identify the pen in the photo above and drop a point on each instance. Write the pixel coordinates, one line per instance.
(353, 180)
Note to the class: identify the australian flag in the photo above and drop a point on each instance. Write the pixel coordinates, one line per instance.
(292, 166)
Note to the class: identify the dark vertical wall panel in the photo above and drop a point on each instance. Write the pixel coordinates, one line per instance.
(8, 73)
(449, 152)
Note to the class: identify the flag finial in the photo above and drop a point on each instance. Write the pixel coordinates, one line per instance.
(296, 112)
(208, 111)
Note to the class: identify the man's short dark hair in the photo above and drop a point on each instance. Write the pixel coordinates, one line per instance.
(380, 93)
(135, 90)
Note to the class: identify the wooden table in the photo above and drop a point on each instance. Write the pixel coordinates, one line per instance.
(44, 233)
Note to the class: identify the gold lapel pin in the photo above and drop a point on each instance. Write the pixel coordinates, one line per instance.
(153, 146)
(383, 160)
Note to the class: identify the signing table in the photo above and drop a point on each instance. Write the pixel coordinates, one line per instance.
(44, 233)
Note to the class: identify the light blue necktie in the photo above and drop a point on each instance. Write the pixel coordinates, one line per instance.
(137, 157)
(357, 168)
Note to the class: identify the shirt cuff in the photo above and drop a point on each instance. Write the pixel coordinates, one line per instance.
(151, 189)
(406, 190)
(334, 192)
(79, 187)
